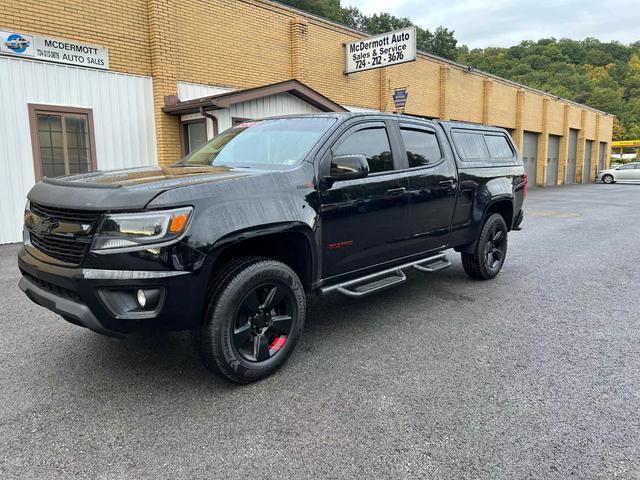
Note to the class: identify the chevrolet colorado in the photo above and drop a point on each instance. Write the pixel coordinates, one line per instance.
(229, 241)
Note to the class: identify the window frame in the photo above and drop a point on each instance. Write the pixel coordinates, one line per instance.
(61, 110)
(507, 138)
(369, 124)
(184, 138)
(235, 121)
(479, 162)
(634, 166)
(420, 128)
(470, 131)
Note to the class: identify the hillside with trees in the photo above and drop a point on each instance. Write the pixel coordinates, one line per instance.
(604, 75)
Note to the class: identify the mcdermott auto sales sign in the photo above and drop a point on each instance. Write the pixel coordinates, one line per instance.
(390, 48)
(49, 49)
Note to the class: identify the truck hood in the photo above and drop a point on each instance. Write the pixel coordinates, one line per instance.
(126, 189)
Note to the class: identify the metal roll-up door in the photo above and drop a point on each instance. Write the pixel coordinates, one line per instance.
(573, 153)
(530, 157)
(552, 160)
(586, 171)
(603, 145)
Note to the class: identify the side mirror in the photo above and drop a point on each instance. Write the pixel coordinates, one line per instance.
(348, 167)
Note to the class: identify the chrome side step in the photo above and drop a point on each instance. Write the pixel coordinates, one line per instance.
(430, 266)
(375, 282)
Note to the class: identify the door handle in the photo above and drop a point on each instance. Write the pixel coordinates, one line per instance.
(396, 191)
(446, 183)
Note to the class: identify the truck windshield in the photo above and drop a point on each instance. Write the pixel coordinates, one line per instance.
(268, 143)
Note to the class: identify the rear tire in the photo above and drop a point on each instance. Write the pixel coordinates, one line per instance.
(255, 316)
(608, 179)
(490, 252)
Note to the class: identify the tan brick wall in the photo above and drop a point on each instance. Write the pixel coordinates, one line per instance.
(122, 27)
(422, 80)
(246, 43)
(575, 115)
(532, 116)
(556, 117)
(326, 69)
(590, 125)
(503, 102)
(465, 94)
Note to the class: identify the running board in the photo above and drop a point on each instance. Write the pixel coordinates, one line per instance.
(375, 282)
(430, 266)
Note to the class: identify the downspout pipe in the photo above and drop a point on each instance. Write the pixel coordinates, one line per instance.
(204, 113)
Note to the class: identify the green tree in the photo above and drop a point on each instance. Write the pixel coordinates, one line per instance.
(603, 75)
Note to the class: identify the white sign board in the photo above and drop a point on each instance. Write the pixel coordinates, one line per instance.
(53, 50)
(382, 50)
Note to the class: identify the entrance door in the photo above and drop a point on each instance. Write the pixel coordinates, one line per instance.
(571, 161)
(364, 220)
(586, 171)
(603, 145)
(552, 160)
(530, 158)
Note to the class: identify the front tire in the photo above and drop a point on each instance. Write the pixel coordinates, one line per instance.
(255, 317)
(608, 179)
(490, 252)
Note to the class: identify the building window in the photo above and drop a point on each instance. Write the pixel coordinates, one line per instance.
(235, 121)
(194, 135)
(62, 139)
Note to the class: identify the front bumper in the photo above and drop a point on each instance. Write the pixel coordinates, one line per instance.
(95, 295)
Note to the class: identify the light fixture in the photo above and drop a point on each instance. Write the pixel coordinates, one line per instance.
(141, 298)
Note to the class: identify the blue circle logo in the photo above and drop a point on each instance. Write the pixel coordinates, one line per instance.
(17, 43)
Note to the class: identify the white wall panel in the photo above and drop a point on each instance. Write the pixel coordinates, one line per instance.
(352, 108)
(123, 118)
(280, 104)
(189, 91)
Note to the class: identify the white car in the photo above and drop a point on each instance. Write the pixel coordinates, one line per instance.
(628, 171)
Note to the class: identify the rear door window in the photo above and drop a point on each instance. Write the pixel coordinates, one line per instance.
(470, 146)
(498, 146)
(422, 147)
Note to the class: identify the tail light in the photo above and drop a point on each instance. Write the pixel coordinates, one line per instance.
(526, 181)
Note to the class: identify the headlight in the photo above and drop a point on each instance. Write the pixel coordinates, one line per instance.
(132, 231)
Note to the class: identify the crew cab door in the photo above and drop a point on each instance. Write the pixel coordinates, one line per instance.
(433, 186)
(363, 221)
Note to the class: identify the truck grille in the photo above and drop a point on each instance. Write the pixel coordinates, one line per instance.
(57, 242)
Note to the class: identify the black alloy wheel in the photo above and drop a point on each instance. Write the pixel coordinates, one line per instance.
(495, 247)
(489, 252)
(256, 312)
(264, 322)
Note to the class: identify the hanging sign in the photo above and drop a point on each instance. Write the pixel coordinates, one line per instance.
(382, 50)
(400, 98)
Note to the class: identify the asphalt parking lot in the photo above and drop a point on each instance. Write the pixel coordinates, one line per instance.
(533, 375)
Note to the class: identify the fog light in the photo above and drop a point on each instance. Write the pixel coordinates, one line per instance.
(141, 298)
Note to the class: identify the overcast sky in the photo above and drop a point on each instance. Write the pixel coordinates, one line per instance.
(503, 23)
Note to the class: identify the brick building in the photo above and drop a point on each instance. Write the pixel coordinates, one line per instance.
(176, 72)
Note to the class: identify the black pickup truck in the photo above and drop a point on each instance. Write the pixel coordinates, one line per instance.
(229, 241)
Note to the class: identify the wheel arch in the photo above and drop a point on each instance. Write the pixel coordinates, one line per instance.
(503, 205)
(292, 243)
